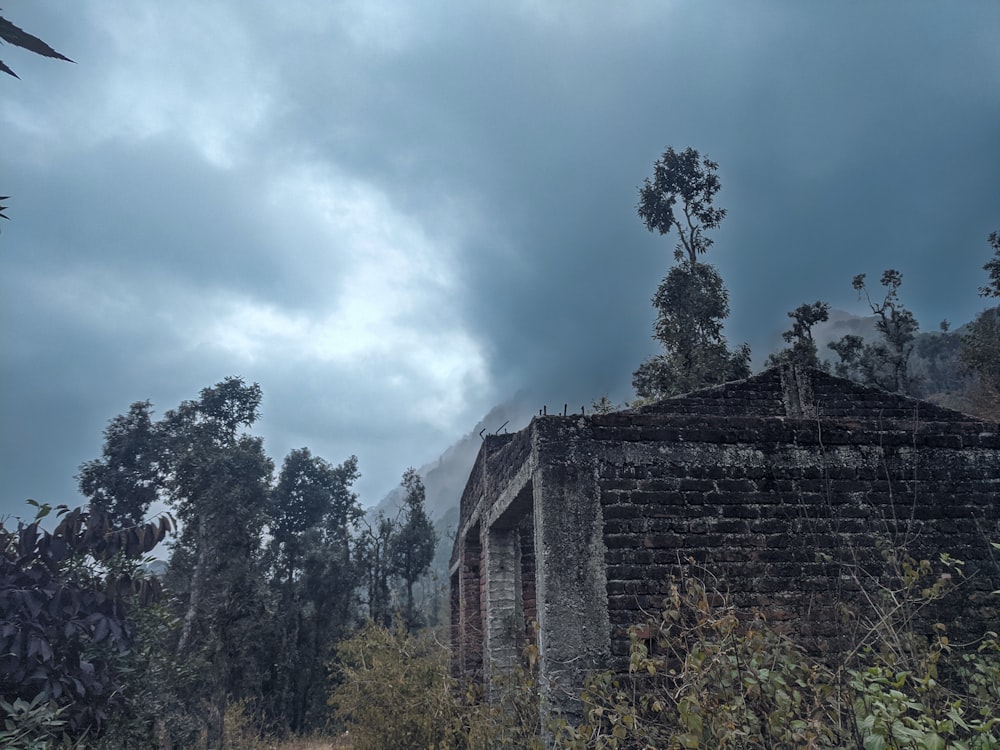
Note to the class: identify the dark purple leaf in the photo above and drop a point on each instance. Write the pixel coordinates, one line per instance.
(20, 38)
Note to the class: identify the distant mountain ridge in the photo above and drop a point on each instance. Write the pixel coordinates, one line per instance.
(445, 478)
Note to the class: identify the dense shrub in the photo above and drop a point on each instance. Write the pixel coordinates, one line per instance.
(66, 599)
(396, 692)
(704, 675)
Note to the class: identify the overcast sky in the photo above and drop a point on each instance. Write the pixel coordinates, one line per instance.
(394, 215)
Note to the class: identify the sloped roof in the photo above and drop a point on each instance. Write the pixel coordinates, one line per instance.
(802, 392)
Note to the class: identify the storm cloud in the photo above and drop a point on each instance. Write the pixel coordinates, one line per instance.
(394, 216)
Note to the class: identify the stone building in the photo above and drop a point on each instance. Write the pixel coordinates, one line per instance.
(571, 528)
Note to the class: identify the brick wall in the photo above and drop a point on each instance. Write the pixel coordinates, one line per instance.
(774, 509)
(777, 490)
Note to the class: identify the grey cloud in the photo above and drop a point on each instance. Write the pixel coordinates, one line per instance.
(513, 137)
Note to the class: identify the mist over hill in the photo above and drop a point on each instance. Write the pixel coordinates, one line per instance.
(445, 478)
(935, 361)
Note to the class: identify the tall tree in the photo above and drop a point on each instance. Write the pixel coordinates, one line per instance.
(373, 558)
(412, 547)
(692, 179)
(883, 363)
(218, 479)
(258, 620)
(125, 480)
(691, 302)
(313, 511)
(803, 347)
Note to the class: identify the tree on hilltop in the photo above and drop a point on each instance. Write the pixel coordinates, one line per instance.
(692, 302)
(693, 179)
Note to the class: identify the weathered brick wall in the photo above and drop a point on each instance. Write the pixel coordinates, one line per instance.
(779, 490)
(773, 510)
(499, 459)
(467, 604)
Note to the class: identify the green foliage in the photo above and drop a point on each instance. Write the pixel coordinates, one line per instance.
(310, 583)
(899, 708)
(151, 709)
(980, 352)
(981, 346)
(397, 551)
(603, 405)
(311, 493)
(411, 548)
(217, 477)
(124, 481)
(692, 305)
(692, 178)
(33, 725)
(885, 363)
(938, 364)
(65, 601)
(261, 582)
(803, 348)
(992, 267)
(372, 555)
(395, 691)
(691, 302)
(701, 675)
(244, 619)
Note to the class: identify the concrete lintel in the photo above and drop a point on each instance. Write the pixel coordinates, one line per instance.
(517, 489)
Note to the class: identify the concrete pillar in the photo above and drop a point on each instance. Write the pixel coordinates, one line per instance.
(571, 581)
(504, 610)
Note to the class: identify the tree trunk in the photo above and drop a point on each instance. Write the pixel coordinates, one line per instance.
(197, 584)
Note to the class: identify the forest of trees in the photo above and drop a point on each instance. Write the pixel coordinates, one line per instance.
(266, 575)
(272, 574)
(959, 369)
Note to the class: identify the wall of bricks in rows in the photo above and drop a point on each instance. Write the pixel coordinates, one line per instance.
(467, 612)
(782, 517)
(499, 460)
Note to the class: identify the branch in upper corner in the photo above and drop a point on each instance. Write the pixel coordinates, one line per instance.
(20, 38)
